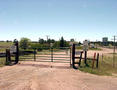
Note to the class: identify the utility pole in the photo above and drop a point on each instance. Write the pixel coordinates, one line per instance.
(47, 37)
(96, 44)
(114, 50)
(114, 43)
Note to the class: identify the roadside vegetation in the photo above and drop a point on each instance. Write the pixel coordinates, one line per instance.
(81, 48)
(2, 61)
(106, 66)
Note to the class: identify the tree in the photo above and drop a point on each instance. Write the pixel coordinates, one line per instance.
(79, 43)
(72, 40)
(56, 44)
(50, 41)
(25, 43)
(41, 41)
(62, 42)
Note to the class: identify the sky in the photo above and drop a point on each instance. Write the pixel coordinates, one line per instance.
(78, 19)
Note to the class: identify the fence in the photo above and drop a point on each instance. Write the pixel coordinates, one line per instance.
(56, 55)
(74, 57)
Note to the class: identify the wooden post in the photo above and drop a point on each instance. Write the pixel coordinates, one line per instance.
(51, 54)
(97, 60)
(70, 56)
(85, 58)
(93, 60)
(17, 52)
(80, 58)
(8, 56)
(73, 56)
(34, 54)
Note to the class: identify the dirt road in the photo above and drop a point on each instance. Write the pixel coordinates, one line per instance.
(103, 51)
(51, 76)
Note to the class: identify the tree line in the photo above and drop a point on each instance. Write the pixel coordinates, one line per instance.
(26, 43)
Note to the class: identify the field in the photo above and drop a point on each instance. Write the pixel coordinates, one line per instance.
(106, 66)
(4, 45)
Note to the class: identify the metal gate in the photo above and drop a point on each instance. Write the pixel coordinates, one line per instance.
(56, 55)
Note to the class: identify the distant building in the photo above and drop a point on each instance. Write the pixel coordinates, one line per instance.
(105, 41)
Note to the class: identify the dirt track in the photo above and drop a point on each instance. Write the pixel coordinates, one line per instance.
(103, 51)
(49, 76)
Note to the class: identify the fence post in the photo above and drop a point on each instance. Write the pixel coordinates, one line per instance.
(73, 56)
(8, 56)
(70, 56)
(80, 58)
(85, 58)
(97, 60)
(34, 54)
(17, 52)
(93, 61)
(51, 54)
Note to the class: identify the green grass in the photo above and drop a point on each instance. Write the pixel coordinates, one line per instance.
(2, 62)
(4, 45)
(98, 49)
(81, 48)
(105, 67)
(7, 44)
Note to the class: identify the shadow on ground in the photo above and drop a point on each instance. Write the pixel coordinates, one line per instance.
(45, 66)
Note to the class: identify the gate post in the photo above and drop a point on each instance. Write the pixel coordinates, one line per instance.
(85, 58)
(73, 55)
(8, 57)
(34, 54)
(70, 56)
(17, 52)
(51, 54)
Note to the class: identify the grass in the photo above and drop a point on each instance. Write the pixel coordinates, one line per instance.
(2, 62)
(98, 49)
(105, 66)
(4, 45)
(81, 48)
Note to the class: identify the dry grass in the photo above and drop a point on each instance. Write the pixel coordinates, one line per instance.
(106, 66)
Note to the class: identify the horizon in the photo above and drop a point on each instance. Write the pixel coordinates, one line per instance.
(78, 19)
(56, 40)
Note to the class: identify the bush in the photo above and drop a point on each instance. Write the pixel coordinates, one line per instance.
(25, 43)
